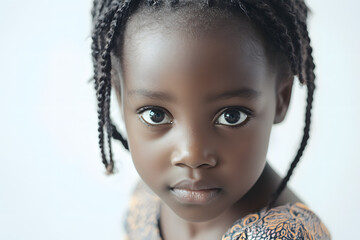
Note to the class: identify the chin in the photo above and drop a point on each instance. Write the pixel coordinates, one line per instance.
(195, 212)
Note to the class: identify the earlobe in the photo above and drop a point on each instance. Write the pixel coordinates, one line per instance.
(283, 96)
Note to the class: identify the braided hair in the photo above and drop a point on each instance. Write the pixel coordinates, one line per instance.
(283, 21)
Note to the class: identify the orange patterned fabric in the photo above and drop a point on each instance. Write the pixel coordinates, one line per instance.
(290, 221)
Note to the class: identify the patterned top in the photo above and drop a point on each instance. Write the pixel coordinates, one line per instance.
(290, 221)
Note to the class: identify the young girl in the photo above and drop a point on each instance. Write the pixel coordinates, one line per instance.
(199, 85)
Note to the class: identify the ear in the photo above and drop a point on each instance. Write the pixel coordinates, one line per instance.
(283, 96)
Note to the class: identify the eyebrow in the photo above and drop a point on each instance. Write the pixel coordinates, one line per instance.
(246, 93)
(152, 94)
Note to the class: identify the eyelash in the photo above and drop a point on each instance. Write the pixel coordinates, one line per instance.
(249, 113)
(143, 109)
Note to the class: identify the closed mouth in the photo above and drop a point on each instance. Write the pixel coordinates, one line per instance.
(188, 196)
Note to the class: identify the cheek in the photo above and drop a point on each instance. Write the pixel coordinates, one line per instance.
(243, 163)
(150, 156)
(244, 154)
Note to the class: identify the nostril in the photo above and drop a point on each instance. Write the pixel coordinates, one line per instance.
(194, 165)
(205, 165)
(193, 159)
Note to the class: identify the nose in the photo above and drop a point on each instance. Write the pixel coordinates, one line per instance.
(194, 150)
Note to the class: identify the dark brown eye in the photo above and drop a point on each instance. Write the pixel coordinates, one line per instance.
(231, 117)
(155, 116)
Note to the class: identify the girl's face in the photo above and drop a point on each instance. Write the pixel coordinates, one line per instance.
(198, 105)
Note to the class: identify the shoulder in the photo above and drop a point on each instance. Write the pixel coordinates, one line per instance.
(142, 201)
(289, 221)
(141, 220)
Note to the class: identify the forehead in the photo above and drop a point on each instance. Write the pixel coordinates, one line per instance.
(205, 48)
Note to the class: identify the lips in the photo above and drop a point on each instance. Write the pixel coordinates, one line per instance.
(194, 185)
(195, 192)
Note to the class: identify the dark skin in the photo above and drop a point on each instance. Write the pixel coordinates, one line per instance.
(179, 70)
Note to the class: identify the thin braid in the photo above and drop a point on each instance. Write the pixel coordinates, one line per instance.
(95, 9)
(106, 57)
(102, 22)
(110, 40)
(284, 181)
(309, 63)
(266, 17)
(287, 9)
(116, 135)
(303, 9)
(310, 83)
(102, 83)
(102, 47)
(99, 83)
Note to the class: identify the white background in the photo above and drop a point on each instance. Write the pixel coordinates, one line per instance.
(52, 182)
